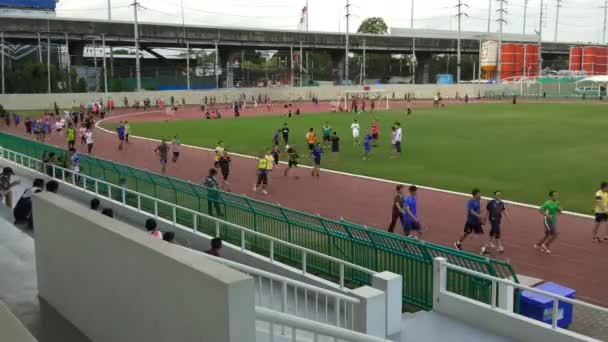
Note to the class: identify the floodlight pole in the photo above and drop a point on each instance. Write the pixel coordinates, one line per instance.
(526, 15)
(540, 39)
(501, 21)
(557, 7)
(605, 17)
(346, 77)
(413, 59)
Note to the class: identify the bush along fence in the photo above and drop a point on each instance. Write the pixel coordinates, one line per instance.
(367, 247)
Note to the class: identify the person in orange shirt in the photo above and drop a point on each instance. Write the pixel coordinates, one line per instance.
(311, 138)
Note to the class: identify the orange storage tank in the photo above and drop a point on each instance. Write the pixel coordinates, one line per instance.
(601, 61)
(576, 58)
(589, 56)
(531, 56)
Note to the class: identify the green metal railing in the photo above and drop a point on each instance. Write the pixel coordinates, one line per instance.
(370, 248)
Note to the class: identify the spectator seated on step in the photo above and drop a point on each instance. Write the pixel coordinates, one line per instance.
(216, 246)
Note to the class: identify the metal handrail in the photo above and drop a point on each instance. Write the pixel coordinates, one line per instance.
(82, 178)
(315, 291)
(316, 328)
(556, 298)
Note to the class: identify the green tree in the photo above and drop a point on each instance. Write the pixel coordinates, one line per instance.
(81, 86)
(373, 25)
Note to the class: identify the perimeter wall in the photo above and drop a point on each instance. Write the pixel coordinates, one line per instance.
(324, 93)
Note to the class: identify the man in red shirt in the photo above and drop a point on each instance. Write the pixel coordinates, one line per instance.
(375, 132)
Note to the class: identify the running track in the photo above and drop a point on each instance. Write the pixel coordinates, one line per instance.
(575, 261)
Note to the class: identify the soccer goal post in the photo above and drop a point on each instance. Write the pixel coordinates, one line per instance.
(370, 95)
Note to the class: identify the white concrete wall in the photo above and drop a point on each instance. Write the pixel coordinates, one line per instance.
(115, 283)
(11, 328)
(325, 93)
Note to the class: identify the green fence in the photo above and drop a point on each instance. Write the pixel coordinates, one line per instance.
(370, 248)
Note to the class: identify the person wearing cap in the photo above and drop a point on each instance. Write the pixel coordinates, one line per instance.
(6, 185)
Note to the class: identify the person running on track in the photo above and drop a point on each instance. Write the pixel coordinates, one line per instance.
(224, 163)
(293, 160)
(219, 152)
(262, 171)
(474, 219)
(70, 132)
(162, 151)
(550, 209)
(495, 209)
(176, 147)
(411, 220)
(90, 140)
(601, 212)
(316, 154)
(276, 153)
(120, 130)
(397, 209)
(127, 131)
(356, 129)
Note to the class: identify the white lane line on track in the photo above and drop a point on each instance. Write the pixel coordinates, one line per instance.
(382, 180)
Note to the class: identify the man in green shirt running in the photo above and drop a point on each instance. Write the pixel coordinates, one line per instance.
(71, 135)
(550, 209)
(326, 134)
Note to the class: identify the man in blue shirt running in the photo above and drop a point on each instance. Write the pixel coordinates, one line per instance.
(474, 219)
(120, 130)
(411, 222)
(316, 157)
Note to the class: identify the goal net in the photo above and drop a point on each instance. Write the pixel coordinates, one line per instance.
(379, 98)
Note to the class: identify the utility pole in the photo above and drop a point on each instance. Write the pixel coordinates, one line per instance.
(458, 53)
(110, 10)
(413, 59)
(217, 76)
(307, 12)
(2, 68)
(135, 5)
(183, 18)
(526, 15)
(364, 71)
(558, 5)
(48, 63)
(68, 62)
(300, 59)
(502, 11)
(540, 39)
(346, 78)
(105, 67)
(39, 49)
(605, 7)
(489, 14)
(111, 48)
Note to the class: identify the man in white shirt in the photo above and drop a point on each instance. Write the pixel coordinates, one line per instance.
(89, 140)
(356, 129)
(398, 137)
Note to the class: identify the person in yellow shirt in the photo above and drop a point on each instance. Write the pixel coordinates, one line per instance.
(270, 160)
(219, 153)
(262, 171)
(601, 211)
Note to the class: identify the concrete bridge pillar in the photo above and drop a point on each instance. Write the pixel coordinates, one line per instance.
(423, 69)
(338, 60)
(226, 61)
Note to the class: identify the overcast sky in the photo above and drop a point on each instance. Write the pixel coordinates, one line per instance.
(580, 20)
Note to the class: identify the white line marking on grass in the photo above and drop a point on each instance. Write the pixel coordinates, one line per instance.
(381, 180)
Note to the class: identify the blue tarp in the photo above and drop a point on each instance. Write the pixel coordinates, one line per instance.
(42, 4)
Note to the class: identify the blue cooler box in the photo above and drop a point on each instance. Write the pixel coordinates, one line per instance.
(540, 307)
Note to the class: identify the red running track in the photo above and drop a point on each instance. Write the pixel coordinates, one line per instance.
(575, 262)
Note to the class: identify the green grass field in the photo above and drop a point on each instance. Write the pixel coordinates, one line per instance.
(524, 150)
